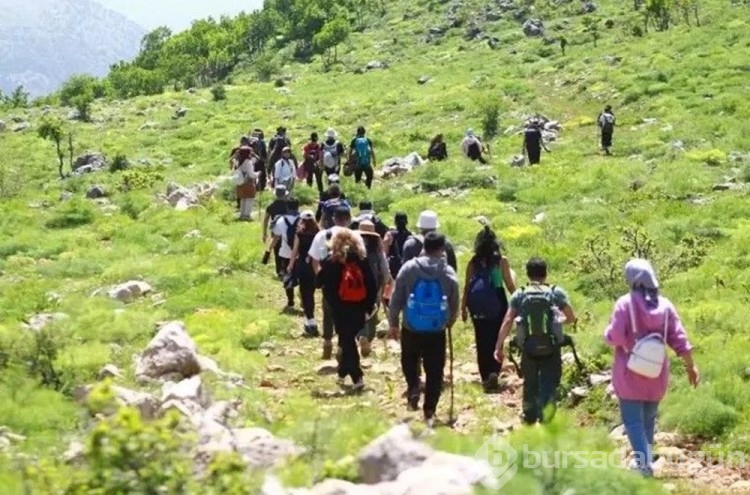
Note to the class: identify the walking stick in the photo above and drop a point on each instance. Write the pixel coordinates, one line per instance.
(451, 419)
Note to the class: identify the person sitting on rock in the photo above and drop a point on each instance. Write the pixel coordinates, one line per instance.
(473, 148)
(437, 150)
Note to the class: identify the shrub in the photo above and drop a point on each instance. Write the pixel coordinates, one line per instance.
(490, 120)
(119, 163)
(133, 204)
(219, 92)
(135, 179)
(265, 66)
(73, 213)
(705, 417)
(712, 157)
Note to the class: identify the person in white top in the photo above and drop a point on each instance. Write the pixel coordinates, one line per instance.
(342, 217)
(244, 176)
(285, 170)
(280, 232)
(472, 147)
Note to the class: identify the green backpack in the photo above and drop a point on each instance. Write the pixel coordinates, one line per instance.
(538, 331)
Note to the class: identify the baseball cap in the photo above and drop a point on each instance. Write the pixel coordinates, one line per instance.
(280, 190)
(307, 215)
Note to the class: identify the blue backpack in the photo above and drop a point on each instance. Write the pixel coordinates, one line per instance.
(362, 147)
(427, 308)
(482, 300)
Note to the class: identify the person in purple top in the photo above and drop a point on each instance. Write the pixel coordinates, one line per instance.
(639, 396)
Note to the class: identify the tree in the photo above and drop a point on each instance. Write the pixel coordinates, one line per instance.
(658, 12)
(334, 32)
(19, 98)
(79, 91)
(52, 130)
(151, 47)
(591, 26)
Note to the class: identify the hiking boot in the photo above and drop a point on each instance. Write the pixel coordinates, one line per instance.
(429, 419)
(359, 385)
(412, 404)
(311, 330)
(327, 350)
(365, 347)
(341, 381)
(493, 383)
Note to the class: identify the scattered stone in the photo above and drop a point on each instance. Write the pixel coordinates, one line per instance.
(539, 218)
(21, 127)
(73, 115)
(261, 449)
(399, 166)
(3, 125)
(578, 393)
(391, 454)
(518, 161)
(192, 90)
(88, 163)
(130, 291)
(648, 120)
(727, 186)
(375, 64)
(732, 156)
(423, 80)
(184, 198)
(180, 112)
(41, 320)
(493, 42)
(677, 144)
(193, 234)
(109, 371)
(600, 378)
(473, 33)
(148, 126)
(612, 59)
(589, 7)
(75, 453)
(533, 28)
(171, 351)
(327, 368)
(618, 434)
(96, 191)
(146, 404)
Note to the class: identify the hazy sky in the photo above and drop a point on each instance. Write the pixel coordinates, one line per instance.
(177, 14)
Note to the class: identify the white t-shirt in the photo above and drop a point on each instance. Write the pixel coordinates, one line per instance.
(283, 170)
(319, 248)
(280, 229)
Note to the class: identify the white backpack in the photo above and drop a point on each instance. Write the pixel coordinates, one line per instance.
(329, 155)
(650, 352)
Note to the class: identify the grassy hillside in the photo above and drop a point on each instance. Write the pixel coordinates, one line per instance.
(680, 97)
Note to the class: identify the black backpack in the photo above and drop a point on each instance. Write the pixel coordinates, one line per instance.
(396, 250)
(291, 230)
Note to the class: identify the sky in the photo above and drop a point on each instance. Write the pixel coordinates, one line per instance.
(177, 14)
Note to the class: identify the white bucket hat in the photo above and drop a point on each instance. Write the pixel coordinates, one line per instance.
(428, 220)
(331, 133)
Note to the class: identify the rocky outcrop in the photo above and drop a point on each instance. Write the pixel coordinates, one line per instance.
(171, 352)
(130, 291)
(399, 166)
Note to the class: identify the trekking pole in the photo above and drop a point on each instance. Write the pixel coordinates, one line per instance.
(451, 419)
(568, 342)
(513, 361)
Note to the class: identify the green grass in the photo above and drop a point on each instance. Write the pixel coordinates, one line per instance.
(693, 81)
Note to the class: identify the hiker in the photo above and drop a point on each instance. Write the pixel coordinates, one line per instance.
(428, 222)
(437, 151)
(318, 252)
(234, 163)
(307, 229)
(606, 123)
(327, 207)
(362, 156)
(642, 325)
(285, 170)
(426, 291)
(393, 245)
(367, 213)
(486, 302)
(312, 154)
(275, 148)
(259, 144)
(284, 229)
(473, 148)
(332, 151)
(348, 286)
(276, 208)
(379, 265)
(533, 141)
(243, 162)
(535, 309)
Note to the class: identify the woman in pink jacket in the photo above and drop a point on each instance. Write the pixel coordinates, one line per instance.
(639, 395)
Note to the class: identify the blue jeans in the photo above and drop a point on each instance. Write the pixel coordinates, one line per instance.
(639, 419)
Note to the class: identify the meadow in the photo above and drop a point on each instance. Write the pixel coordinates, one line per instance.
(680, 97)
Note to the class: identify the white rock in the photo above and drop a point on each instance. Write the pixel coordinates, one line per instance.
(75, 453)
(391, 454)
(41, 320)
(170, 351)
(109, 371)
(146, 404)
(260, 448)
(539, 218)
(130, 291)
(187, 390)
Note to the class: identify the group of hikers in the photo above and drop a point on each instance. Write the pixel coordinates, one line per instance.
(362, 266)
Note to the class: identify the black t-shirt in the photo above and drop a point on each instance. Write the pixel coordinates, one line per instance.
(277, 207)
(532, 138)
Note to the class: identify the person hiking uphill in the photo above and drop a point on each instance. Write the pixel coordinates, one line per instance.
(535, 310)
(606, 122)
(426, 292)
(342, 217)
(428, 222)
(332, 151)
(285, 170)
(437, 150)
(362, 156)
(243, 161)
(643, 324)
(486, 302)
(279, 206)
(283, 231)
(367, 213)
(327, 208)
(261, 149)
(348, 286)
(473, 148)
(533, 141)
(311, 169)
(379, 265)
(393, 245)
(300, 265)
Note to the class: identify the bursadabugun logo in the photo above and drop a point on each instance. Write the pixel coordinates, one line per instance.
(501, 457)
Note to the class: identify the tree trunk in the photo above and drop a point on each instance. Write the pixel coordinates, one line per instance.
(60, 158)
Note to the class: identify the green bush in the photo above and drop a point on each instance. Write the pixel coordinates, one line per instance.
(704, 416)
(73, 213)
(490, 121)
(219, 92)
(119, 163)
(133, 204)
(139, 178)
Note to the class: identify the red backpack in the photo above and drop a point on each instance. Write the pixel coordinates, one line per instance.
(352, 286)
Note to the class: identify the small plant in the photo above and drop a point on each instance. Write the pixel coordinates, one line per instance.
(219, 92)
(73, 214)
(120, 163)
(490, 121)
(135, 179)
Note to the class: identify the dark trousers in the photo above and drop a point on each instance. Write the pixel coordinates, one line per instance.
(327, 320)
(262, 177)
(277, 260)
(607, 139)
(534, 154)
(317, 174)
(430, 349)
(349, 360)
(541, 378)
(485, 336)
(359, 170)
(284, 264)
(307, 292)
